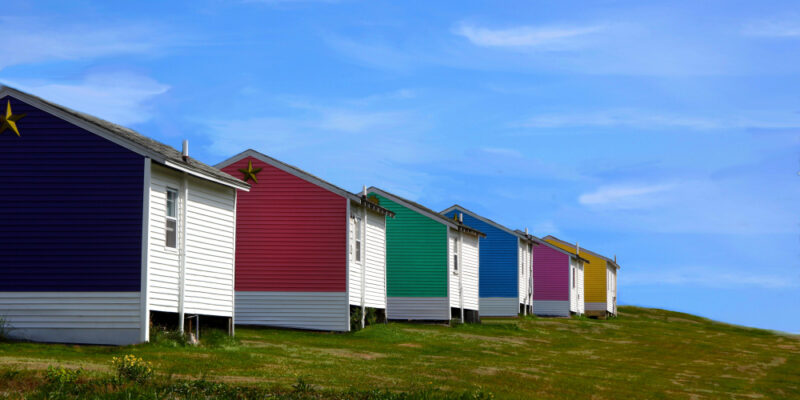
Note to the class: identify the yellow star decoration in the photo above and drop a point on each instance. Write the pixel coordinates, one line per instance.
(9, 120)
(250, 172)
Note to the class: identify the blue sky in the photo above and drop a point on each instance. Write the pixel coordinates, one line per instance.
(666, 133)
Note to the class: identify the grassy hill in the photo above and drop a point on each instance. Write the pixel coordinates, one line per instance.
(645, 353)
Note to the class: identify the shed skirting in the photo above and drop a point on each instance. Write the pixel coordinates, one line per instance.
(418, 308)
(499, 306)
(73, 317)
(595, 306)
(553, 308)
(322, 311)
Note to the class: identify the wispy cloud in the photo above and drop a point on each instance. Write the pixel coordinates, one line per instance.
(773, 28)
(120, 97)
(643, 119)
(504, 152)
(523, 36)
(623, 196)
(706, 277)
(39, 40)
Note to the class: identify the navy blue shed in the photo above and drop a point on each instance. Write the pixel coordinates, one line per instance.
(505, 282)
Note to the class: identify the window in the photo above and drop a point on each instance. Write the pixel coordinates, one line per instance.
(455, 255)
(357, 223)
(172, 218)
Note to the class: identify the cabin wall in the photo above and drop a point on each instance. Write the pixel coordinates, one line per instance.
(70, 232)
(611, 285)
(524, 271)
(417, 265)
(498, 261)
(581, 292)
(468, 256)
(291, 252)
(374, 254)
(594, 278)
(71, 219)
(573, 285)
(551, 280)
(471, 268)
(209, 249)
(551, 274)
(208, 280)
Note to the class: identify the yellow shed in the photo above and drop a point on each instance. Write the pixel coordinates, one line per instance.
(600, 279)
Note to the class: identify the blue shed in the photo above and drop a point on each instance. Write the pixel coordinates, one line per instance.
(506, 282)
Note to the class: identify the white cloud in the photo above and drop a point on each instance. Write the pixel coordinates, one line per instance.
(35, 40)
(773, 29)
(706, 277)
(522, 36)
(643, 119)
(623, 196)
(119, 97)
(503, 152)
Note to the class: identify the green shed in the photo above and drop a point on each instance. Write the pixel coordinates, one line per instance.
(432, 263)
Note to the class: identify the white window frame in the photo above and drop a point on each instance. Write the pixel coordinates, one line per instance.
(455, 255)
(171, 218)
(358, 244)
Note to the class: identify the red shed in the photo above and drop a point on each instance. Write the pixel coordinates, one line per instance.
(296, 239)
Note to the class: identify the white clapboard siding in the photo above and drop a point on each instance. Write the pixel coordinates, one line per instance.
(209, 249)
(452, 246)
(573, 285)
(208, 280)
(324, 311)
(418, 308)
(376, 260)
(611, 288)
(471, 266)
(524, 269)
(551, 308)
(163, 273)
(499, 306)
(73, 317)
(581, 294)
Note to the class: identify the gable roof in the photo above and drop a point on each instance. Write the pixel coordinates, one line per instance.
(542, 242)
(516, 233)
(608, 260)
(306, 176)
(128, 138)
(427, 212)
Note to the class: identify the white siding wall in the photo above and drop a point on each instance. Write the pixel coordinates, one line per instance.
(581, 294)
(73, 317)
(452, 249)
(471, 266)
(375, 258)
(524, 270)
(573, 285)
(209, 247)
(163, 274)
(324, 311)
(611, 288)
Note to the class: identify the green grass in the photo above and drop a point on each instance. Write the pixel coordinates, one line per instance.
(645, 353)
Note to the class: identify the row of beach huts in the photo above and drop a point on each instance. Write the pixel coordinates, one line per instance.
(105, 233)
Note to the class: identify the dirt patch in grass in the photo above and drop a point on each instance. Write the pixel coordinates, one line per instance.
(42, 364)
(486, 370)
(518, 341)
(347, 353)
(412, 345)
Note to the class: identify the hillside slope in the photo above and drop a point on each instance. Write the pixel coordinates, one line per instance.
(645, 353)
